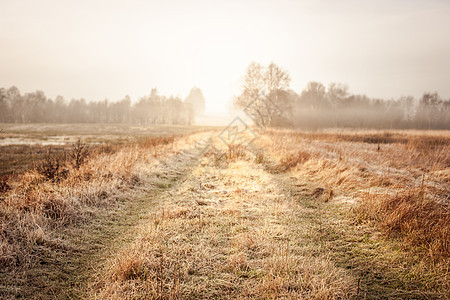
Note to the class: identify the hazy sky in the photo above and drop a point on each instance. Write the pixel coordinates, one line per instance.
(108, 49)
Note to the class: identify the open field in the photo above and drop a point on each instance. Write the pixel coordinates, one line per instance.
(175, 213)
(23, 146)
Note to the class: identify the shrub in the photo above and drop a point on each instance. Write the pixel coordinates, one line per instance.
(52, 168)
(79, 153)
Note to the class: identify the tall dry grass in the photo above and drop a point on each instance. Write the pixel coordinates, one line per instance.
(33, 207)
(399, 180)
(410, 216)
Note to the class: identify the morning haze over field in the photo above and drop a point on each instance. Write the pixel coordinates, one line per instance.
(108, 49)
(225, 149)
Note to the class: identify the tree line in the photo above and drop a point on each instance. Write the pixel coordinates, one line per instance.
(267, 98)
(149, 110)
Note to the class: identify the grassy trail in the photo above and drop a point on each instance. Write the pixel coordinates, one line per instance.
(66, 264)
(232, 229)
(120, 227)
(212, 226)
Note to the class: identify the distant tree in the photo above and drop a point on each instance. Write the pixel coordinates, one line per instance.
(36, 107)
(337, 93)
(196, 100)
(444, 120)
(309, 105)
(189, 113)
(428, 110)
(60, 109)
(120, 111)
(314, 95)
(176, 112)
(263, 93)
(149, 109)
(17, 105)
(78, 111)
(4, 106)
(277, 83)
(408, 105)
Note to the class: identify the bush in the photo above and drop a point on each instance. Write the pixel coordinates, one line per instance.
(52, 168)
(79, 153)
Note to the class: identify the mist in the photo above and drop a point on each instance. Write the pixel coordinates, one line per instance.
(102, 49)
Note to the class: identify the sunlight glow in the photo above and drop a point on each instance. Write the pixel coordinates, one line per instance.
(108, 49)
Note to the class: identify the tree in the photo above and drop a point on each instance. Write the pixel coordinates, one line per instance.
(37, 108)
(4, 107)
(337, 93)
(196, 100)
(120, 111)
(60, 109)
(314, 95)
(429, 107)
(264, 93)
(78, 111)
(17, 104)
(276, 79)
(408, 106)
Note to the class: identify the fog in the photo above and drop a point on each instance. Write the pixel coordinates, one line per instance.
(109, 49)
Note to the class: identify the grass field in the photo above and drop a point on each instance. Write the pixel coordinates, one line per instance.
(172, 212)
(23, 146)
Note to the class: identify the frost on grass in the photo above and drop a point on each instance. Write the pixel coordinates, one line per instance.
(225, 232)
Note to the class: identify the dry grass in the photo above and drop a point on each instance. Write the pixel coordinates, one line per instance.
(417, 221)
(297, 218)
(226, 232)
(237, 229)
(383, 167)
(23, 146)
(292, 160)
(235, 151)
(40, 202)
(4, 186)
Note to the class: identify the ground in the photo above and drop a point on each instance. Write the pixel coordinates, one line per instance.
(202, 219)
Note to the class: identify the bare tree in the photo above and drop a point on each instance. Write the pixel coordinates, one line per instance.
(261, 97)
(337, 92)
(409, 108)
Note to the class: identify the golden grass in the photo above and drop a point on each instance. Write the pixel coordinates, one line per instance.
(408, 215)
(384, 167)
(295, 219)
(292, 160)
(226, 232)
(32, 207)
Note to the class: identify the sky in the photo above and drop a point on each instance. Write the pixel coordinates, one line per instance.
(108, 49)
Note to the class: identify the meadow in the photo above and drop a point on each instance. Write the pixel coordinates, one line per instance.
(173, 212)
